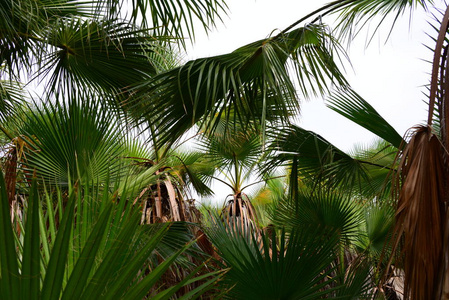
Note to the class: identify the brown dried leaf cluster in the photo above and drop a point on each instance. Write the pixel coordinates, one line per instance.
(420, 213)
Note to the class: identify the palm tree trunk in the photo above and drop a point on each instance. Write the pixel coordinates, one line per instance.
(443, 287)
(11, 174)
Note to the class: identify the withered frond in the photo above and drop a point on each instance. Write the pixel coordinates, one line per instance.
(420, 211)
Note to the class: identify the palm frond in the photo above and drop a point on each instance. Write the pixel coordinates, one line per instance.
(168, 18)
(193, 168)
(23, 21)
(353, 15)
(107, 55)
(378, 223)
(252, 82)
(72, 141)
(349, 104)
(234, 147)
(12, 97)
(330, 212)
(297, 266)
(317, 160)
(379, 160)
(93, 251)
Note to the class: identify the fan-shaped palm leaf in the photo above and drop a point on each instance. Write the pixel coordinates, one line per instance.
(11, 98)
(107, 55)
(377, 224)
(379, 161)
(297, 266)
(333, 212)
(22, 22)
(81, 44)
(72, 141)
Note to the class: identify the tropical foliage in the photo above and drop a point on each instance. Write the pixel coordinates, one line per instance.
(99, 117)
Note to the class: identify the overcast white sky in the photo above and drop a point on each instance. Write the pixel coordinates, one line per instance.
(390, 76)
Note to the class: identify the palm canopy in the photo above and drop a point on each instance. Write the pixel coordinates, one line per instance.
(253, 83)
(255, 80)
(83, 44)
(11, 98)
(235, 152)
(184, 167)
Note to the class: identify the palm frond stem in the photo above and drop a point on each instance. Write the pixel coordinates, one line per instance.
(259, 181)
(436, 65)
(315, 12)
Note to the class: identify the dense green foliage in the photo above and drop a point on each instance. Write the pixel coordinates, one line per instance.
(99, 179)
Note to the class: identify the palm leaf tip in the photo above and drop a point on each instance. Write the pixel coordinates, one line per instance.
(352, 106)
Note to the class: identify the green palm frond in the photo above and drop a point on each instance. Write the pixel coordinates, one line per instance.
(377, 224)
(352, 106)
(354, 14)
(317, 159)
(379, 160)
(277, 266)
(12, 96)
(185, 167)
(96, 249)
(44, 10)
(71, 141)
(168, 18)
(234, 148)
(251, 83)
(193, 168)
(356, 282)
(319, 164)
(22, 23)
(15, 45)
(235, 152)
(331, 212)
(103, 54)
(77, 46)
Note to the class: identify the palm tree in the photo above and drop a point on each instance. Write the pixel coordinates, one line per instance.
(176, 174)
(90, 44)
(75, 46)
(235, 152)
(84, 53)
(87, 49)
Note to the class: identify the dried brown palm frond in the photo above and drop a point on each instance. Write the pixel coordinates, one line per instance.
(162, 202)
(240, 212)
(15, 156)
(421, 225)
(420, 213)
(10, 165)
